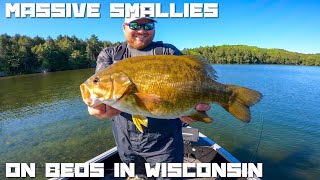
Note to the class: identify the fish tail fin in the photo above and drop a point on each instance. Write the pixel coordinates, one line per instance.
(241, 100)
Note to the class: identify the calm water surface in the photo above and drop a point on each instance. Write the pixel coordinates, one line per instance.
(43, 119)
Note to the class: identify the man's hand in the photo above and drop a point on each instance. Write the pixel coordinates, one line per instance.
(199, 107)
(103, 111)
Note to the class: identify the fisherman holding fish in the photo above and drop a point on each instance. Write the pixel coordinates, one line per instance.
(149, 88)
(162, 141)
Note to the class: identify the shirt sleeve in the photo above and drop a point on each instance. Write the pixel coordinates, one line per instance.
(104, 59)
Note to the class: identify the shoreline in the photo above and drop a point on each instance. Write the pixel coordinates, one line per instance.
(3, 74)
(43, 72)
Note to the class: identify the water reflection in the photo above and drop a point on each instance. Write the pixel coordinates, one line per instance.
(31, 90)
(43, 119)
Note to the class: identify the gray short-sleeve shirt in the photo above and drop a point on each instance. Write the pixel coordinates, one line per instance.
(106, 56)
(162, 140)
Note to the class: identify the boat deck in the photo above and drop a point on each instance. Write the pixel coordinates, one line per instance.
(198, 148)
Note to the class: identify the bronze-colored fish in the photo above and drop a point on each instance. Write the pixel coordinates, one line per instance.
(165, 87)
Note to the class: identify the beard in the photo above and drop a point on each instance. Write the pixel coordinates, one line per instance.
(140, 41)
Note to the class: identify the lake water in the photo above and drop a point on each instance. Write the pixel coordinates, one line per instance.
(43, 119)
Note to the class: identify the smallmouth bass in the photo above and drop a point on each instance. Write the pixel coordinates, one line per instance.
(165, 87)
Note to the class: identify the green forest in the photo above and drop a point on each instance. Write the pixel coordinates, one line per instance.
(23, 54)
(242, 54)
(20, 54)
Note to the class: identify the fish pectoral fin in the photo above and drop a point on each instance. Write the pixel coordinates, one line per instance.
(139, 120)
(201, 116)
(150, 101)
(121, 84)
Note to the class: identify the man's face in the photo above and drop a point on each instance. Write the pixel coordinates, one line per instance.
(141, 38)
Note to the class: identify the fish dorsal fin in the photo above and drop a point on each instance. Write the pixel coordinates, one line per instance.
(121, 84)
(211, 73)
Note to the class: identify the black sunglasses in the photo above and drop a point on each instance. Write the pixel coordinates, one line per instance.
(137, 26)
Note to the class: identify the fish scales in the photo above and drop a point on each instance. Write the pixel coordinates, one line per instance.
(174, 84)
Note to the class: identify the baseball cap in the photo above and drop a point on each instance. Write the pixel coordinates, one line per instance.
(131, 19)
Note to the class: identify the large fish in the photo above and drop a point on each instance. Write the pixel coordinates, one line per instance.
(165, 87)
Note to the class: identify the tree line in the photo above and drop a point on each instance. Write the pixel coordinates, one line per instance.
(20, 54)
(241, 54)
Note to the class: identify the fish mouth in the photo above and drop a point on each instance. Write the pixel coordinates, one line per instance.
(86, 95)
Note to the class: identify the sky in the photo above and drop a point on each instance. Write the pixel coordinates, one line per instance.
(293, 25)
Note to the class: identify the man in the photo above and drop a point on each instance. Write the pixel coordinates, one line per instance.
(162, 141)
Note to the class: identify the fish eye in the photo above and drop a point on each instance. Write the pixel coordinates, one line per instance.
(96, 80)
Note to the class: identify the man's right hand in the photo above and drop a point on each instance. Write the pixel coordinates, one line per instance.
(103, 111)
